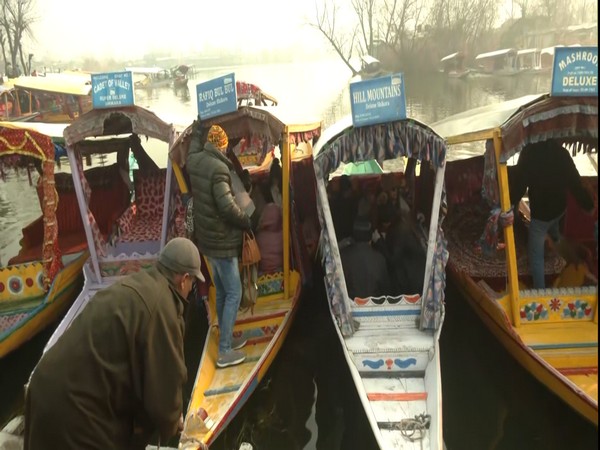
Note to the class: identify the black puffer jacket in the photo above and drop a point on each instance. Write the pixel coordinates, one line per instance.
(218, 220)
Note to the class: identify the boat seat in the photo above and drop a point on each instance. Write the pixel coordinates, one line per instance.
(142, 221)
(108, 200)
(463, 227)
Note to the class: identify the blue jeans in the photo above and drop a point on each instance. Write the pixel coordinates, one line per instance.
(535, 247)
(226, 276)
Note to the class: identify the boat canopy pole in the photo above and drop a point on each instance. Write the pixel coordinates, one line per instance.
(180, 178)
(285, 203)
(509, 235)
(83, 209)
(166, 201)
(432, 242)
(167, 198)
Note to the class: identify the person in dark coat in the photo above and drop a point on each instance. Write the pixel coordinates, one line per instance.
(365, 269)
(218, 229)
(547, 171)
(269, 237)
(115, 376)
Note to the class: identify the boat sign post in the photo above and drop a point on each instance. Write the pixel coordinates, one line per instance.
(378, 100)
(216, 97)
(575, 71)
(112, 89)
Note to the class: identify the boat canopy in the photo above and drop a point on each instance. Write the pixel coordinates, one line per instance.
(526, 120)
(528, 51)
(249, 91)
(404, 138)
(117, 121)
(451, 56)
(66, 84)
(505, 51)
(18, 140)
(343, 143)
(265, 123)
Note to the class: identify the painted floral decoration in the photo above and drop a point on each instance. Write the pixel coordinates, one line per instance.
(534, 311)
(577, 310)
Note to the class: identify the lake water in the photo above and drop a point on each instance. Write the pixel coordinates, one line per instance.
(489, 401)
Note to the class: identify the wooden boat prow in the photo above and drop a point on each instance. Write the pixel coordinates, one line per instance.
(218, 394)
(36, 291)
(552, 332)
(144, 226)
(390, 342)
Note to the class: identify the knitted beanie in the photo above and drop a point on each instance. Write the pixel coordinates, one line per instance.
(217, 137)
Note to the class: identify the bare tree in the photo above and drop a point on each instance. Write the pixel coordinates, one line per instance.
(376, 26)
(462, 24)
(16, 18)
(342, 41)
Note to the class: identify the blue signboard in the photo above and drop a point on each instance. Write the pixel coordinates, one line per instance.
(112, 89)
(216, 97)
(378, 100)
(575, 71)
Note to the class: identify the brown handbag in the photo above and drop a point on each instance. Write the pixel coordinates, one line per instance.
(250, 250)
(249, 272)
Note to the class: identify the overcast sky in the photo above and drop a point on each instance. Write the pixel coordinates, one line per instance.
(130, 28)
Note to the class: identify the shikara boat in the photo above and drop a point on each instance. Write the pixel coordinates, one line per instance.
(152, 212)
(499, 62)
(38, 285)
(8, 105)
(453, 65)
(151, 77)
(54, 98)
(391, 342)
(219, 394)
(249, 94)
(552, 332)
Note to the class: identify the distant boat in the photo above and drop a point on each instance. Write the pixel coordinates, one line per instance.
(453, 65)
(151, 77)
(180, 75)
(529, 62)
(499, 62)
(371, 67)
(54, 98)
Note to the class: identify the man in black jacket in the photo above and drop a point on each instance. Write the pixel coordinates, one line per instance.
(218, 228)
(548, 172)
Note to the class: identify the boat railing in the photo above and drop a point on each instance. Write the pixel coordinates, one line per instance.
(564, 291)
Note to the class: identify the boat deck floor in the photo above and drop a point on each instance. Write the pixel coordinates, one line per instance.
(571, 348)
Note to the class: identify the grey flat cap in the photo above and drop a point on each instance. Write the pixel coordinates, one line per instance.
(181, 256)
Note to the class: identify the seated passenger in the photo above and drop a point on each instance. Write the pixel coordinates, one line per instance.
(343, 206)
(269, 237)
(405, 256)
(365, 269)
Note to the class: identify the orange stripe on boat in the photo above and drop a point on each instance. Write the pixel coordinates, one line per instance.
(579, 371)
(397, 396)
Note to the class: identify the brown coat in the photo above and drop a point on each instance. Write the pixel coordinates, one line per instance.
(120, 364)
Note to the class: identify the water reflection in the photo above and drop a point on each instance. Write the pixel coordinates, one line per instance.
(19, 205)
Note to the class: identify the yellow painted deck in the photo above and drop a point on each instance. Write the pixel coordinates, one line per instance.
(221, 392)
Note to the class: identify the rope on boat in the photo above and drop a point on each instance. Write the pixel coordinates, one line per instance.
(411, 429)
